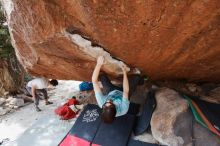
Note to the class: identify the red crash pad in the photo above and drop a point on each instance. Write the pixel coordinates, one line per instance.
(74, 141)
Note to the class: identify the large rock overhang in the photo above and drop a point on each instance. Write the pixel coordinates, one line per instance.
(166, 40)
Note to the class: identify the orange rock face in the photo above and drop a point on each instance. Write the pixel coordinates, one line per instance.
(163, 39)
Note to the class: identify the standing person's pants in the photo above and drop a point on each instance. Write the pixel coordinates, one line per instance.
(38, 93)
(108, 86)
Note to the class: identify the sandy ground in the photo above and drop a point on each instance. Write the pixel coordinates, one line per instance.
(15, 125)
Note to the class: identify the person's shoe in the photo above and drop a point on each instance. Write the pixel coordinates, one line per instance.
(38, 109)
(49, 102)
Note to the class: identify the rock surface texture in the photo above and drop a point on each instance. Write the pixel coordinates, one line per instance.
(11, 75)
(163, 39)
(163, 123)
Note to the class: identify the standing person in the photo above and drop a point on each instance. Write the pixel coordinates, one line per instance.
(38, 86)
(116, 102)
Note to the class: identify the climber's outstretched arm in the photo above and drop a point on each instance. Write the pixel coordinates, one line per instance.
(95, 75)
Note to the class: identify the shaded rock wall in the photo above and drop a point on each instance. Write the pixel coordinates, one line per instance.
(163, 39)
(11, 75)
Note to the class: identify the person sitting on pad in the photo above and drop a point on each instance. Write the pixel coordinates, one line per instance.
(116, 102)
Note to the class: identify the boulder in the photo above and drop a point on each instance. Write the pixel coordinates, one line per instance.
(163, 39)
(17, 102)
(169, 106)
(183, 127)
(2, 101)
(11, 75)
(9, 99)
(3, 111)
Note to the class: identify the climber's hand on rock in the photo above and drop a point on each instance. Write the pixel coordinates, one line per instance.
(123, 67)
(100, 60)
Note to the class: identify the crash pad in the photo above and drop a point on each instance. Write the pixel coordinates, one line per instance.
(87, 123)
(116, 133)
(71, 140)
(89, 129)
(204, 117)
(143, 121)
(86, 86)
(210, 110)
(195, 113)
(134, 108)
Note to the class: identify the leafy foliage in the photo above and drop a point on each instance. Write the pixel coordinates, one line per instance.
(5, 43)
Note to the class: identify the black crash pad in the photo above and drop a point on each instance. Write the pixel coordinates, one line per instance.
(143, 121)
(87, 123)
(116, 133)
(133, 108)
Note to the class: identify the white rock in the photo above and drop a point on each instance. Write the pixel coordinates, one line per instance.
(3, 111)
(146, 137)
(11, 106)
(7, 104)
(6, 93)
(9, 99)
(17, 102)
(15, 107)
(154, 87)
(2, 100)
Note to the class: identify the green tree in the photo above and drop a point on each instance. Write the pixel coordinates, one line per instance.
(5, 42)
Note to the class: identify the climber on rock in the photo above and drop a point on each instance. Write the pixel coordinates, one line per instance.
(38, 86)
(116, 102)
